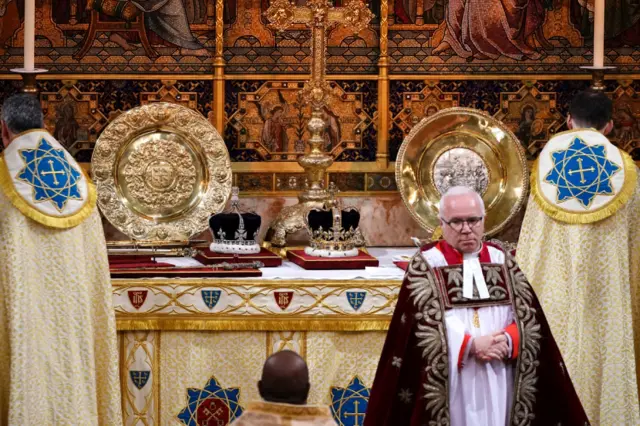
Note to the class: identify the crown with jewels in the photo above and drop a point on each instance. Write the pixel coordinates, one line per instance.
(334, 230)
(234, 231)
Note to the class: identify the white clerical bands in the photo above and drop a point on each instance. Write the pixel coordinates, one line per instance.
(471, 271)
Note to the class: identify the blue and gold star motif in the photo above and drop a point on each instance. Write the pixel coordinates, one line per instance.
(349, 405)
(52, 177)
(582, 172)
(212, 405)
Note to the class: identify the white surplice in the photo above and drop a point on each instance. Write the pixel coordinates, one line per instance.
(479, 392)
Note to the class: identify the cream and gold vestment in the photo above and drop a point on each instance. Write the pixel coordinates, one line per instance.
(58, 358)
(274, 414)
(580, 249)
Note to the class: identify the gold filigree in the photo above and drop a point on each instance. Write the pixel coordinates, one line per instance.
(157, 182)
(431, 338)
(525, 382)
(160, 174)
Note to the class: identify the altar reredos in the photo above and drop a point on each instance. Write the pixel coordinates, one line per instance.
(161, 170)
(462, 146)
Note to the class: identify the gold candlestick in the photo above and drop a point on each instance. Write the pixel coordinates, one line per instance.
(29, 84)
(597, 76)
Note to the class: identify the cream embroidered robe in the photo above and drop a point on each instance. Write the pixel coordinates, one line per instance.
(275, 414)
(587, 278)
(58, 356)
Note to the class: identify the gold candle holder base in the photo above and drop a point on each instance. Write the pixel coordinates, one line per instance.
(315, 164)
(597, 76)
(29, 79)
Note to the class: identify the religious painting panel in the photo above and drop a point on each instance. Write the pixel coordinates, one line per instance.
(251, 45)
(532, 116)
(626, 119)
(77, 111)
(111, 36)
(410, 102)
(73, 118)
(267, 120)
(524, 37)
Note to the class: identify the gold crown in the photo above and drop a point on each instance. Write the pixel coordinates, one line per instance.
(334, 228)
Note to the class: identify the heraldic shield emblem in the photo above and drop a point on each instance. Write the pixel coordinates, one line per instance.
(210, 297)
(356, 299)
(211, 406)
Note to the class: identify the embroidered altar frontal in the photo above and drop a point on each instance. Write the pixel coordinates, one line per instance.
(192, 350)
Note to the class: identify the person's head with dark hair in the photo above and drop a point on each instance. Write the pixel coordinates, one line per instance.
(591, 109)
(20, 113)
(285, 379)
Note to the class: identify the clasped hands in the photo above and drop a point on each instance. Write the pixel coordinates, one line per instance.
(490, 347)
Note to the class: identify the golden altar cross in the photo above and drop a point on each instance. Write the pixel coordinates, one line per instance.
(318, 15)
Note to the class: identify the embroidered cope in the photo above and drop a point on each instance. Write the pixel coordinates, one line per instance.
(587, 276)
(273, 414)
(433, 327)
(58, 351)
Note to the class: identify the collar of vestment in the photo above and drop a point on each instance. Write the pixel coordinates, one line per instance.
(456, 280)
(44, 182)
(581, 177)
(289, 410)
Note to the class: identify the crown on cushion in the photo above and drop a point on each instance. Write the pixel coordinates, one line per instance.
(334, 230)
(233, 231)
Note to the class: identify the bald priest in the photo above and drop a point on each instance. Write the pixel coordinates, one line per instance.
(468, 343)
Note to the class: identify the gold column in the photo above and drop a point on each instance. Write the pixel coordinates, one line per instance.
(382, 156)
(218, 70)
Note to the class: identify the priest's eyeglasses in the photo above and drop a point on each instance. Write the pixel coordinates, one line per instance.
(458, 224)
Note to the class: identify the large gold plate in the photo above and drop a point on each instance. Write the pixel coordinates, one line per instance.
(462, 146)
(161, 170)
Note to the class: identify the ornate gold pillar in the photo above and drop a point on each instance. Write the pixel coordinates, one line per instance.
(382, 156)
(218, 70)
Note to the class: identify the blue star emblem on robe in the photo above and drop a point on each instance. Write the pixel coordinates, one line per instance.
(349, 405)
(582, 172)
(213, 405)
(50, 174)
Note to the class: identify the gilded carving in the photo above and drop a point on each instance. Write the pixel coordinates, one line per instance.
(160, 174)
(157, 182)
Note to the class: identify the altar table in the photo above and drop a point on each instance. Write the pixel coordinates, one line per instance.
(192, 350)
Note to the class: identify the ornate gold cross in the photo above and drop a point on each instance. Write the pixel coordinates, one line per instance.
(356, 415)
(53, 172)
(318, 14)
(581, 171)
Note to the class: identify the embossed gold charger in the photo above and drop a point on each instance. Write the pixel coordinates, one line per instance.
(161, 170)
(462, 146)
